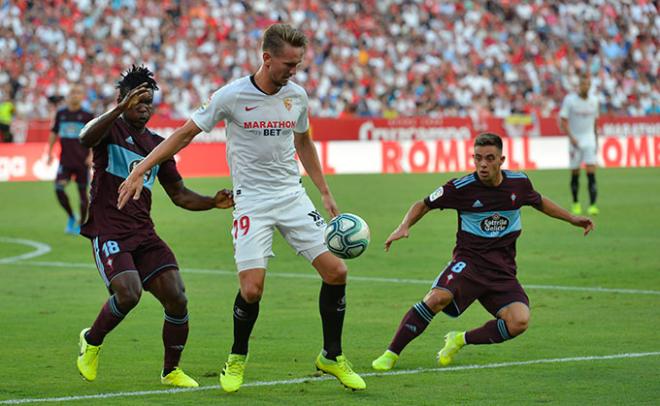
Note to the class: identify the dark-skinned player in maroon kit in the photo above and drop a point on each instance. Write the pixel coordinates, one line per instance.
(129, 255)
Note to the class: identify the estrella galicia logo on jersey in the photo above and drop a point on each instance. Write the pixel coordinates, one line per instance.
(494, 224)
(316, 218)
(438, 193)
(133, 164)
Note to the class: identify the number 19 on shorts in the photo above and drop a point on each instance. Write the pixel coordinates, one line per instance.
(241, 224)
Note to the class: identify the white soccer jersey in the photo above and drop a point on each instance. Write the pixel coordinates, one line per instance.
(260, 148)
(581, 115)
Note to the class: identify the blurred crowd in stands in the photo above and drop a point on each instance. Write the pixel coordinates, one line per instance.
(385, 58)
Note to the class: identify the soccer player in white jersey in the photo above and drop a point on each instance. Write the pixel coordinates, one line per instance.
(578, 119)
(267, 123)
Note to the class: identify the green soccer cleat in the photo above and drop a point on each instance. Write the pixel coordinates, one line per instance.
(576, 209)
(88, 358)
(385, 362)
(231, 377)
(454, 341)
(593, 210)
(179, 379)
(341, 369)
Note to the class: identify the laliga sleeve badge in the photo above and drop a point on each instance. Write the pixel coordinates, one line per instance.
(435, 195)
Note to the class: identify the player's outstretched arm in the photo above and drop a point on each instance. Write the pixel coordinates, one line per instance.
(310, 161)
(94, 131)
(552, 209)
(131, 187)
(414, 214)
(189, 200)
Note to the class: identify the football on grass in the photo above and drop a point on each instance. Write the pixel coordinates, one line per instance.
(347, 236)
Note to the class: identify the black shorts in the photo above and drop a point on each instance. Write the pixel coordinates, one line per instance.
(65, 173)
(146, 254)
(495, 290)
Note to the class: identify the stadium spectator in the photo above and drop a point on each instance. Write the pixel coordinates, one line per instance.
(6, 115)
(417, 58)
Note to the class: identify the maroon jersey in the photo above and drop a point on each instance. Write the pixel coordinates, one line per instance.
(67, 126)
(114, 158)
(488, 217)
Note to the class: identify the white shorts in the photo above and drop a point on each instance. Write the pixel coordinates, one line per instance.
(582, 153)
(255, 220)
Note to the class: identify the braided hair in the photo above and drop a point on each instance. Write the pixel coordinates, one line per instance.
(133, 78)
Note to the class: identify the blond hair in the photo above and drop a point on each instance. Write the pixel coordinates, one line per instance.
(277, 35)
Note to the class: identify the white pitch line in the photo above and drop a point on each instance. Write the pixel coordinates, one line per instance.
(354, 278)
(324, 378)
(40, 249)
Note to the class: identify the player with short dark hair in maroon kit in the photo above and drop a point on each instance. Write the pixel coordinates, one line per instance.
(483, 266)
(129, 255)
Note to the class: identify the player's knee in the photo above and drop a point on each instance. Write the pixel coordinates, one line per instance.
(252, 293)
(178, 304)
(437, 300)
(517, 325)
(128, 298)
(337, 274)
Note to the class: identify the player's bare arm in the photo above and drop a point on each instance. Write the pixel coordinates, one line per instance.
(51, 142)
(567, 130)
(96, 129)
(189, 200)
(414, 214)
(310, 161)
(132, 186)
(552, 209)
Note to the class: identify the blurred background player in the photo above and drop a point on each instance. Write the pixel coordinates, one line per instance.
(578, 116)
(7, 110)
(483, 265)
(267, 124)
(75, 159)
(130, 256)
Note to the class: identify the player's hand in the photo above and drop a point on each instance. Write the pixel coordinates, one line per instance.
(573, 140)
(330, 205)
(131, 187)
(224, 199)
(49, 160)
(584, 222)
(399, 233)
(134, 97)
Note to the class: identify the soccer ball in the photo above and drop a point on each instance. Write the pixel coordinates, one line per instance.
(347, 236)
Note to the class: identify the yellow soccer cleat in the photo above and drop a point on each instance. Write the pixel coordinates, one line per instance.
(454, 341)
(593, 210)
(576, 209)
(385, 362)
(231, 377)
(179, 379)
(341, 369)
(88, 358)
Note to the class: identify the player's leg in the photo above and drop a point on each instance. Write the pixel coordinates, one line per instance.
(593, 190)
(120, 276)
(575, 159)
(82, 179)
(443, 296)
(61, 180)
(167, 286)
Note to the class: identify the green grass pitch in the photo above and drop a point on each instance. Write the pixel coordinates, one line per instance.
(45, 301)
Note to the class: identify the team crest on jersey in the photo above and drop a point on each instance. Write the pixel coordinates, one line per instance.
(133, 164)
(288, 103)
(513, 198)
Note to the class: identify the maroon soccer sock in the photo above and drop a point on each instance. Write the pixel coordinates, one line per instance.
(109, 317)
(493, 332)
(64, 201)
(413, 324)
(332, 306)
(175, 335)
